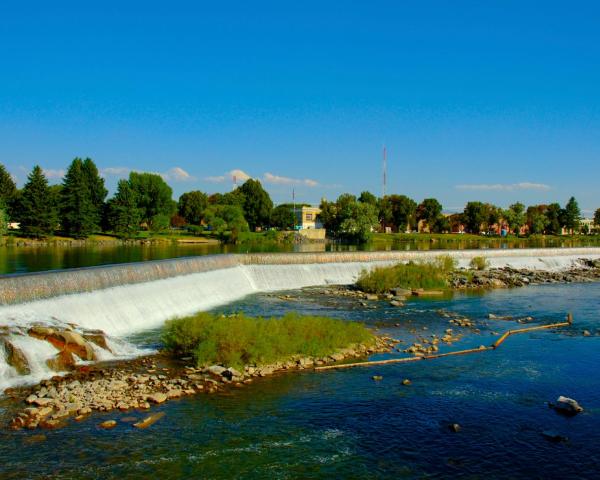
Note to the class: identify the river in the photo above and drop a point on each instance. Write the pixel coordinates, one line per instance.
(342, 424)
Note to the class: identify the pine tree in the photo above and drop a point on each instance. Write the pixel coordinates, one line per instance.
(96, 186)
(79, 216)
(124, 216)
(8, 188)
(37, 211)
(572, 215)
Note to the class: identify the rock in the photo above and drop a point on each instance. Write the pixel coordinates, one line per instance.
(234, 372)
(377, 378)
(98, 337)
(15, 357)
(42, 402)
(425, 293)
(157, 397)
(396, 303)
(146, 422)
(372, 296)
(175, 393)
(568, 406)
(62, 361)
(586, 333)
(108, 424)
(406, 381)
(454, 427)
(336, 357)
(553, 436)
(215, 370)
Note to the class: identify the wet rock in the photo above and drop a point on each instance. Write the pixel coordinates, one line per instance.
(377, 378)
(108, 424)
(146, 422)
(587, 333)
(406, 381)
(454, 427)
(553, 436)
(62, 361)
(567, 406)
(157, 397)
(15, 357)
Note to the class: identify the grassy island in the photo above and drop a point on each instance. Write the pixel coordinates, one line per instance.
(239, 340)
(412, 275)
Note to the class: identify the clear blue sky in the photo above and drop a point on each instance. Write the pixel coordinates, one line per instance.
(490, 100)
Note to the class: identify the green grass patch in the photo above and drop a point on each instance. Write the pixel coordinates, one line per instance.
(427, 275)
(239, 340)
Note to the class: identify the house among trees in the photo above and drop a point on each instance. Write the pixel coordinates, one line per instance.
(306, 218)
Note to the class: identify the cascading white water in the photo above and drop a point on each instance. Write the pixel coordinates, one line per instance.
(128, 307)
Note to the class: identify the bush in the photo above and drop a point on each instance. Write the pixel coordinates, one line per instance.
(240, 340)
(479, 263)
(412, 275)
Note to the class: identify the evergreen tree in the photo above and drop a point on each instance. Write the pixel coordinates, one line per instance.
(96, 186)
(79, 215)
(37, 211)
(8, 188)
(124, 215)
(571, 215)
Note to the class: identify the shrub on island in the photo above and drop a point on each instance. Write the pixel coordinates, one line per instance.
(412, 275)
(239, 340)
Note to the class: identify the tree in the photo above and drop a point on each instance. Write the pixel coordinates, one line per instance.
(349, 219)
(554, 219)
(226, 221)
(37, 209)
(283, 217)
(79, 216)
(124, 216)
(3, 219)
(153, 197)
(597, 219)
(398, 211)
(572, 215)
(257, 204)
(368, 197)
(192, 205)
(475, 215)
(430, 211)
(96, 187)
(515, 217)
(537, 220)
(8, 188)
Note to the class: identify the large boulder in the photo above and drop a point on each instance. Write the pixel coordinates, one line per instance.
(65, 340)
(62, 361)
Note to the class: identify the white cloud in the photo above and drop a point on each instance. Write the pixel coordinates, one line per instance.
(278, 180)
(507, 187)
(175, 174)
(54, 174)
(240, 176)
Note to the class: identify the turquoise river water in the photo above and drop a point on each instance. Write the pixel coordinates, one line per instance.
(342, 424)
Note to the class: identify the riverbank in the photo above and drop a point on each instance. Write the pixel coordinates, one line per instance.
(136, 385)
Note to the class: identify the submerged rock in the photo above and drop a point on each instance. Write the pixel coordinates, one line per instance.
(553, 436)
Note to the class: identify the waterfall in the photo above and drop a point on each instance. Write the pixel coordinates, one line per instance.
(123, 299)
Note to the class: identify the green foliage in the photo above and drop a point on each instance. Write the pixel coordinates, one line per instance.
(349, 219)
(537, 219)
(257, 204)
(398, 211)
(283, 217)
(411, 275)
(430, 211)
(8, 188)
(368, 197)
(226, 221)
(153, 197)
(124, 216)
(554, 219)
(479, 263)
(95, 185)
(239, 340)
(515, 216)
(3, 220)
(597, 218)
(37, 208)
(478, 216)
(192, 205)
(79, 215)
(571, 215)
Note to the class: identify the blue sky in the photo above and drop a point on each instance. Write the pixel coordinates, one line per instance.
(498, 100)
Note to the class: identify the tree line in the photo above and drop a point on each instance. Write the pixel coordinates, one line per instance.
(79, 207)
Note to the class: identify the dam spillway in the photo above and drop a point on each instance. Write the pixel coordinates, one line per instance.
(124, 299)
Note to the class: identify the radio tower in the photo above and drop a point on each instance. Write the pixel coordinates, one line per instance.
(384, 170)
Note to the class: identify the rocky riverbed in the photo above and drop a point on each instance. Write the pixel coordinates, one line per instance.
(136, 385)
